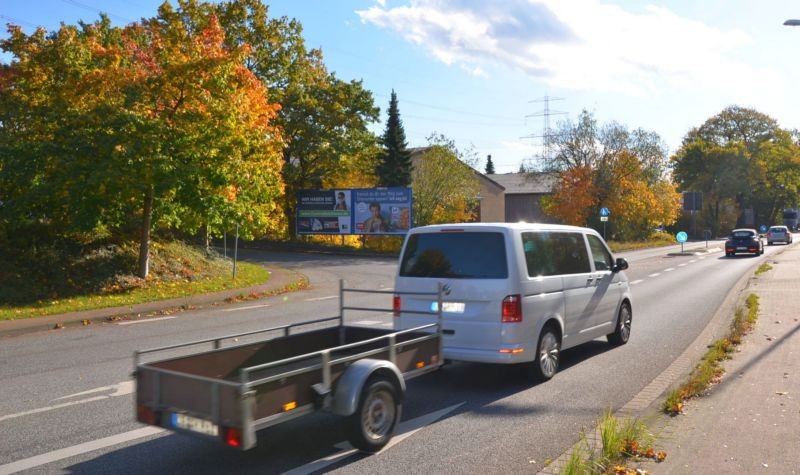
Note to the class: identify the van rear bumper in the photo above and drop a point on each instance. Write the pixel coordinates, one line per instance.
(492, 356)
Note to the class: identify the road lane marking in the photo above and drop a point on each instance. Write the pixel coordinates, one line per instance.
(681, 265)
(693, 260)
(389, 325)
(404, 430)
(367, 322)
(669, 269)
(92, 445)
(317, 299)
(120, 389)
(145, 320)
(655, 275)
(639, 281)
(249, 307)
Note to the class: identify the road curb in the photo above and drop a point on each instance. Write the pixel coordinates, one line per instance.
(643, 403)
(281, 281)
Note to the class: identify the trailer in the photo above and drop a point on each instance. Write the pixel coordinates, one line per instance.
(219, 389)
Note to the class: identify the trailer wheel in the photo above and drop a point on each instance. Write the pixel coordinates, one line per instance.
(372, 425)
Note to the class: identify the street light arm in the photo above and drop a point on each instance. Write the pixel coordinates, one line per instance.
(792, 22)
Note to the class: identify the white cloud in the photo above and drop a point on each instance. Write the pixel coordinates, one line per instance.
(579, 44)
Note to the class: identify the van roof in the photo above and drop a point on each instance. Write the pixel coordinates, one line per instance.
(501, 226)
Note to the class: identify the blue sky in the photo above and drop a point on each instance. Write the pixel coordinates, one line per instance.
(473, 69)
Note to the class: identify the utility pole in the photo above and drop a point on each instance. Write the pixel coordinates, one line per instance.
(547, 134)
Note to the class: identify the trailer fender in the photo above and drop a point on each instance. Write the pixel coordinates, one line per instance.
(348, 389)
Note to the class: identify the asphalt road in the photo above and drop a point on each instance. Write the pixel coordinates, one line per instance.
(66, 403)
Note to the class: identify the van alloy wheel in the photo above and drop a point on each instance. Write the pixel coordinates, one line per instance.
(622, 331)
(547, 355)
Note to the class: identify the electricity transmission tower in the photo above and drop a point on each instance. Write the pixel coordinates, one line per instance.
(547, 134)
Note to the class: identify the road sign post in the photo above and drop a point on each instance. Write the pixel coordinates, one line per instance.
(604, 213)
(681, 237)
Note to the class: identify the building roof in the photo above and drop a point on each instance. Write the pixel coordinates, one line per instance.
(526, 183)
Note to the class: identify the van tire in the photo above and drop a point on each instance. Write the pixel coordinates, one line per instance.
(548, 354)
(371, 427)
(622, 329)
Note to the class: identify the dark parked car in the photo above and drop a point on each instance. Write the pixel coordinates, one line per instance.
(744, 240)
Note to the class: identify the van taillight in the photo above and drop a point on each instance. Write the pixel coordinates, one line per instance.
(396, 305)
(512, 309)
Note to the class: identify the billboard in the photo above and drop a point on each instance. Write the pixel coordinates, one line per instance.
(354, 211)
(324, 212)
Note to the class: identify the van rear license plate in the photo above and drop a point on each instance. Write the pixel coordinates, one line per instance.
(194, 424)
(448, 307)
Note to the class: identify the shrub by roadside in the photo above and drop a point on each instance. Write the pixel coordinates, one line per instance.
(103, 276)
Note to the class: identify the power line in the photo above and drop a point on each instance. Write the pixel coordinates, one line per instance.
(96, 10)
(446, 109)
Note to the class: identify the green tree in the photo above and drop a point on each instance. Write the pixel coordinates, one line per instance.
(489, 165)
(158, 123)
(446, 185)
(741, 159)
(394, 164)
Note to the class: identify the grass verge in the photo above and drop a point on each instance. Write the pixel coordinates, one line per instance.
(620, 441)
(763, 268)
(710, 370)
(178, 271)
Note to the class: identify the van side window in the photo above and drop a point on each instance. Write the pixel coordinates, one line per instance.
(602, 259)
(555, 253)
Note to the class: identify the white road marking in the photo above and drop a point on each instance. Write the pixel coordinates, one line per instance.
(655, 275)
(639, 281)
(120, 389)
(387, 288)
(79, 449)
(681, 265)
(669, 270)
(146, 320)
(367, 322)
(317, 299)
(693, 260)
(249, 307)
(404, 430)
(389, 325)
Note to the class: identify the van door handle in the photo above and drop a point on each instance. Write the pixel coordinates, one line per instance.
(590, 279)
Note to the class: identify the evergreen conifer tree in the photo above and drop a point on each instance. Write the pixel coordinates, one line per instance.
(394, 165)
(489, 165)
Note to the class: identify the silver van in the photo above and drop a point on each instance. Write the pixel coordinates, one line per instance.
(514, 293)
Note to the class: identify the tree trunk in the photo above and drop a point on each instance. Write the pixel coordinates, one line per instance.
(144, 245)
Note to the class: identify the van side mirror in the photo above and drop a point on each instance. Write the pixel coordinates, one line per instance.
(620, 264)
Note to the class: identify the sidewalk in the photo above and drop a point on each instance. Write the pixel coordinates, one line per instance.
(280, 281)
(749, 422)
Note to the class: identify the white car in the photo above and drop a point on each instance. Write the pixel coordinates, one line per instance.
(779, 234)
(514, 293)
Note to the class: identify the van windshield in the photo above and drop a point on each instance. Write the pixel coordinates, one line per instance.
(462, 255)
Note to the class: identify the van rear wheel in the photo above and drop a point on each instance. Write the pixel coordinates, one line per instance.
(622, 331)
(548, 353)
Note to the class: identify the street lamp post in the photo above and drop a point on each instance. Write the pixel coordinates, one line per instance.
(792, 22)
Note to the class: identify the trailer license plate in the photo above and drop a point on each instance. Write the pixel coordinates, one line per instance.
(194, 424)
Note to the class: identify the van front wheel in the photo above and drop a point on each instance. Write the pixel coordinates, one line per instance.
(622, 331)
(548, 353)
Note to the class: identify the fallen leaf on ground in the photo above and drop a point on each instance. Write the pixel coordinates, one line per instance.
(770, 338)
(58, 326)
(781, 393)
(86, 322)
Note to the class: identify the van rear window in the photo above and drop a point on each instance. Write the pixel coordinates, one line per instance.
(467, 255)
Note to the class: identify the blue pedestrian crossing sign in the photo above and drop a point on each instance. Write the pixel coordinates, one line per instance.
(681, 237)
(604, 212)
(763, 228)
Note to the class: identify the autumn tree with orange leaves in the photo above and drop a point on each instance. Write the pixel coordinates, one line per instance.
(610, 166)
(155, 125)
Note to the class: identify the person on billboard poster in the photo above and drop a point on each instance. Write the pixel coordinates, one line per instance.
(375, 223)
(340, 201)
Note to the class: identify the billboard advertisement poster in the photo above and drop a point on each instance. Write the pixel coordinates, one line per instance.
(324, 212)
(381, 210)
